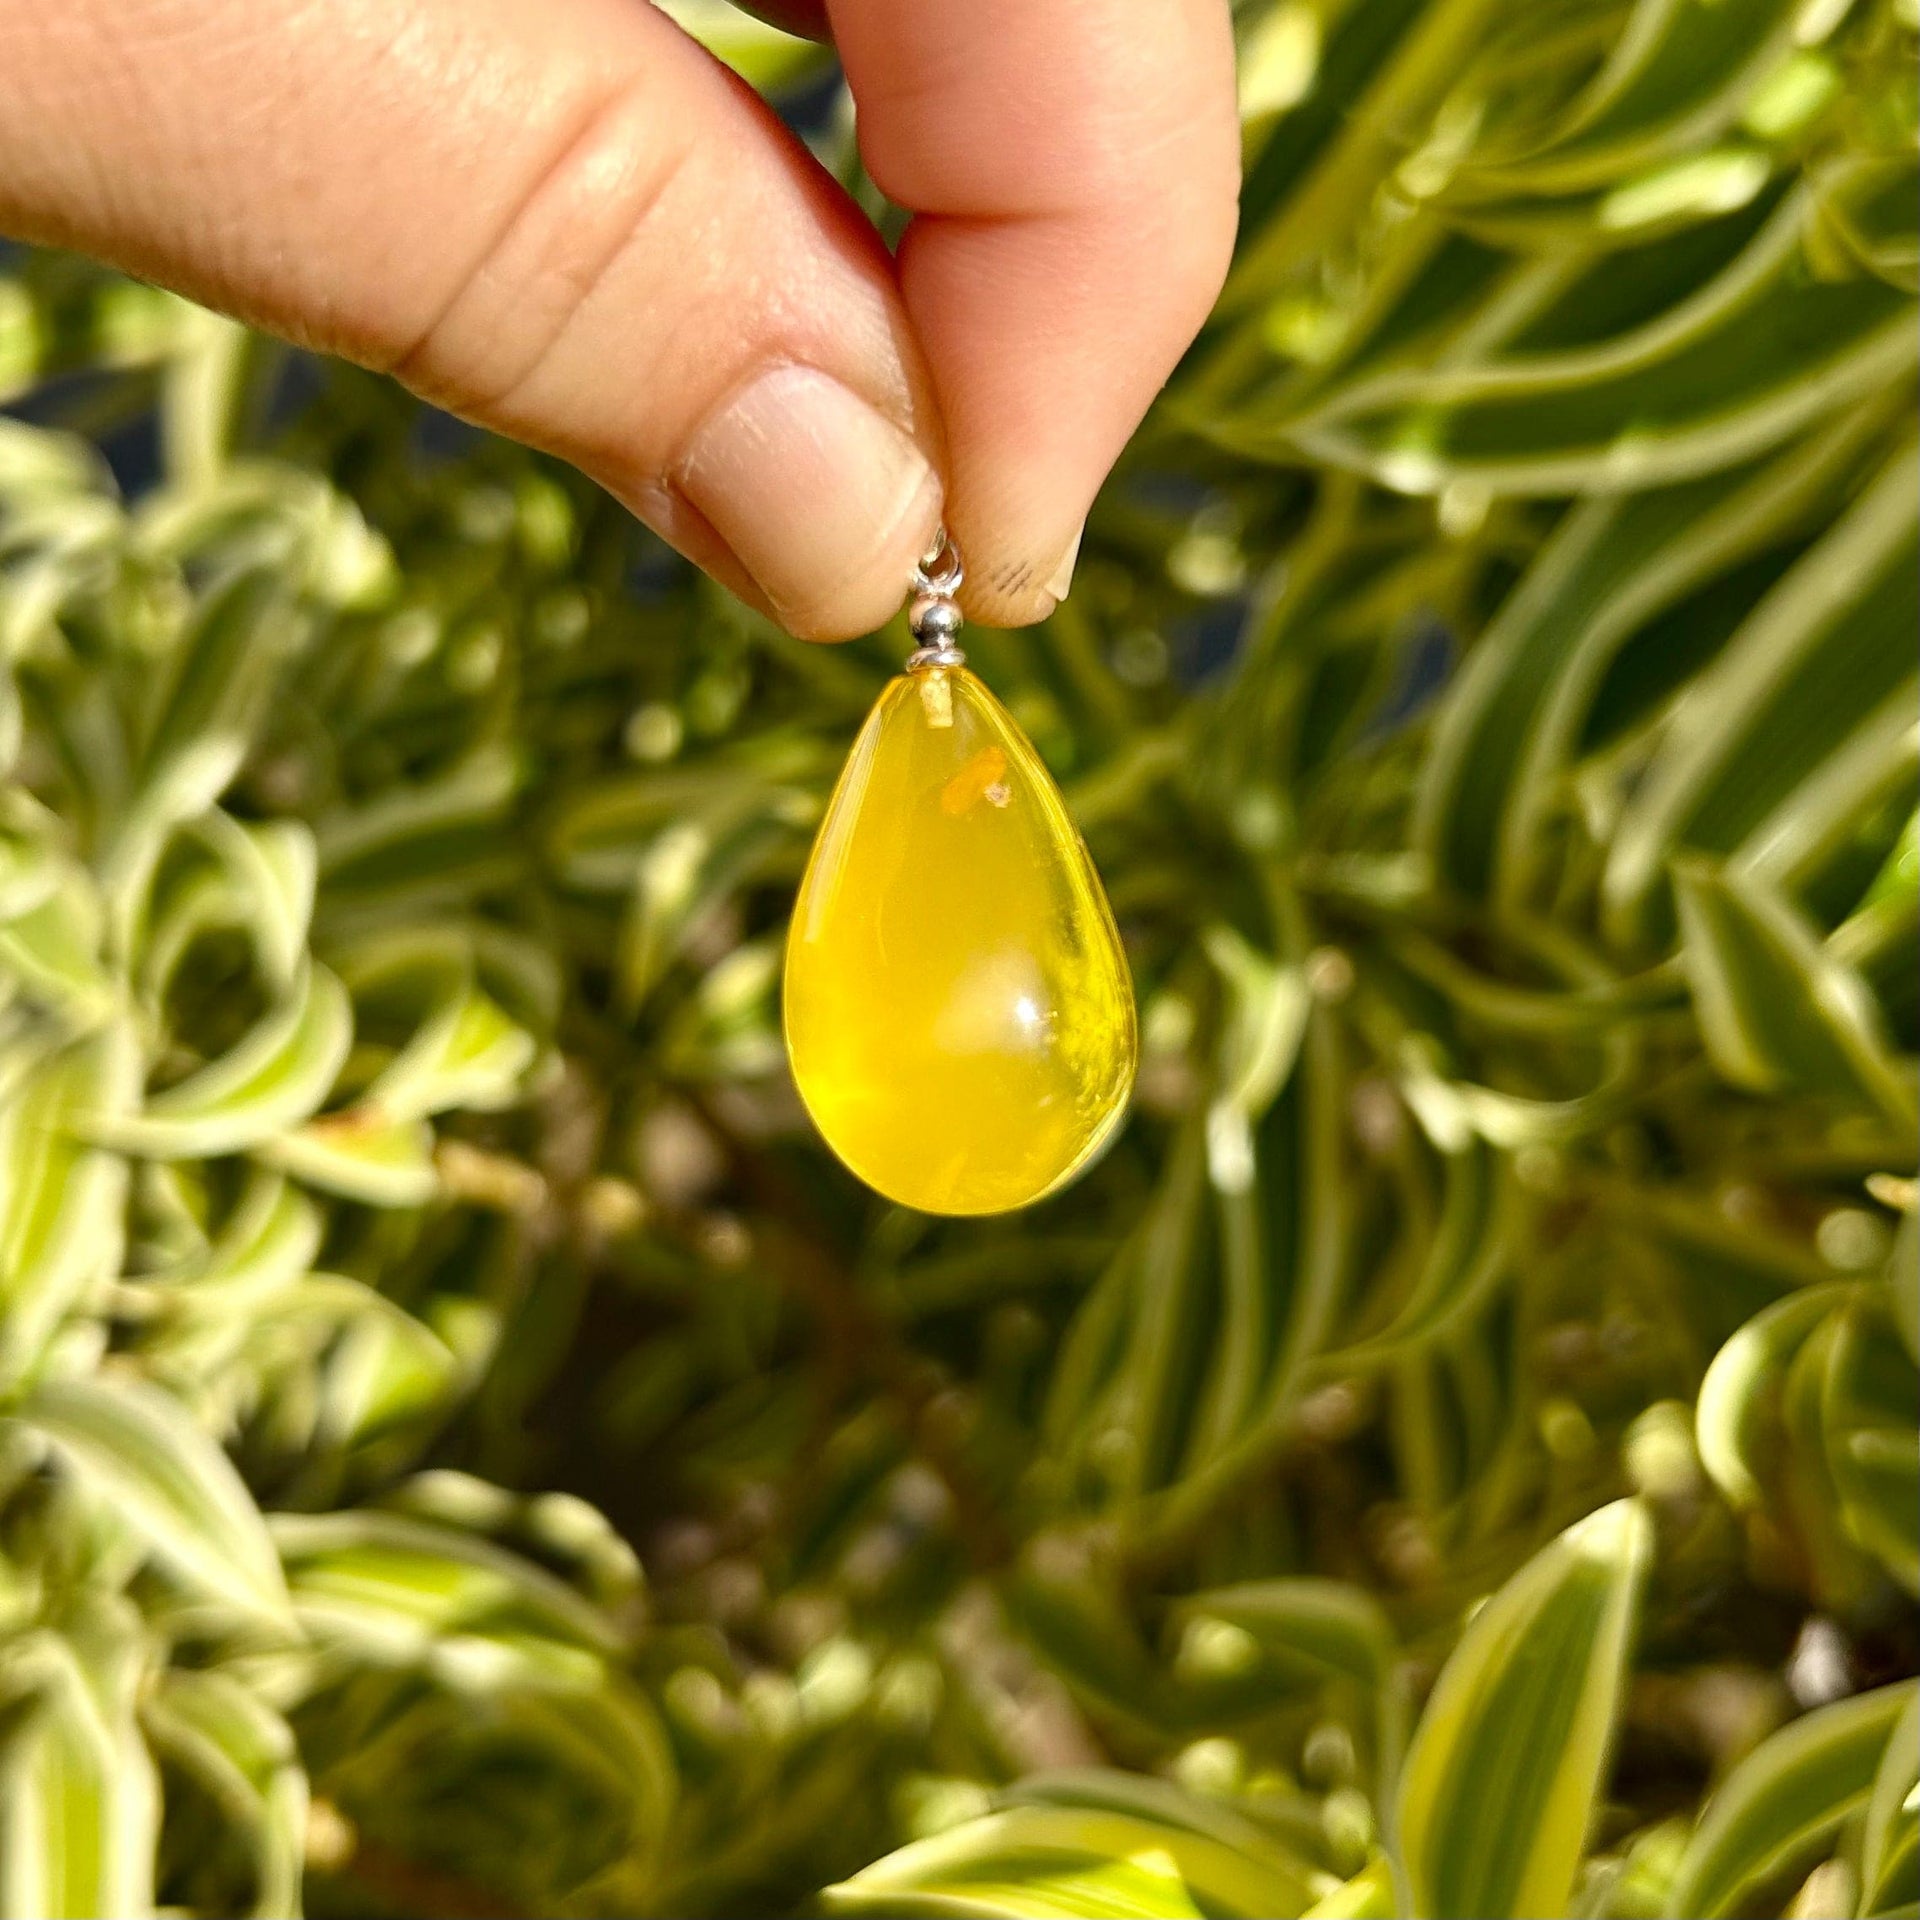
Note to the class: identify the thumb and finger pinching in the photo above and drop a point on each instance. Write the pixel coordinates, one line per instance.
(1074, 175)
(566, 222)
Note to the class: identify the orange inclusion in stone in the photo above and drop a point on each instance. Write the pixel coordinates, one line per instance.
(958, 1010)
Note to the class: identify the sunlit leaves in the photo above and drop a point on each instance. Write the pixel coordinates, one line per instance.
(272, 1079)
(1678, 73)
(157, 1473)
(1824, 647)
(1617, 565)
(242, 1754)
(1890, 1831)
(203, 710)
(467, 1053)
(79, 1794)
(1812, 1410)
(60, 1197)
(403, 1591)
(1716, 381)
(1071, 1853)
(1500, 1784)
(49, 952)
(1789, 1798)
(1776, 1010)
(1367, 1896)
(502, 1703)
(273, 872)
(360, 1153)
(1741, 1389)
(163, 1011)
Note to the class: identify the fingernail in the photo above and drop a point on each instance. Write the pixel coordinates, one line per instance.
(813, 490)
(1062, 580)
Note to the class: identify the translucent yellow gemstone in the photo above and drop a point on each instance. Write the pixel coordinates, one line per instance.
(959, 1013)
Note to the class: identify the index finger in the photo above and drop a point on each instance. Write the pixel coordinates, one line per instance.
(1073, 174)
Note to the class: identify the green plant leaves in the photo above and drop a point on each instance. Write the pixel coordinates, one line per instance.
(79, 1797)
(421, 844)
(360, 1154)
(1870, 1407)
(269, 1082)
(208, 699)
(1740, 1393)
(467, 1053)
(1727, 371)
(762, 55)
(273, 869)
(1788, 1798)
(1776, 1009)
(242, 1754)
(478, 1655)
(1865, 201)
(1903, 1279)
(1259, 1043)
(159, 1474)
(1890, 1833)
(1677, 74)
(402, 1591)
(1464, 1261)
(1500, 1783)
(59, 1196)
(50, 950)
(1689, 557)
(1367, 1896)
(1814, 1406)
(1242, 1647)
(1827, 644)
(1076, 1854)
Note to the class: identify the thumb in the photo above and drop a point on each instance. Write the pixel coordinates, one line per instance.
(562, 221)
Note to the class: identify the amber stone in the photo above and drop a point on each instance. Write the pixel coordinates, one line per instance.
(958, 1009)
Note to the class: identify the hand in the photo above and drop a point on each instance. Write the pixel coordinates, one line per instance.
(564, 220)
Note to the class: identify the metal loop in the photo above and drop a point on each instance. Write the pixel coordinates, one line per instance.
(946, 654)
(939, 572)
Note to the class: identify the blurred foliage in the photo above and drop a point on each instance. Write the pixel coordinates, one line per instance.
(465, 1450)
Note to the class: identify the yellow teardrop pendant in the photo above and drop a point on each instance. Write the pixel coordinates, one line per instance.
(959, 1013)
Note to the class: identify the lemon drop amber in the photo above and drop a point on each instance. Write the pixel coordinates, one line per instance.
(958, 1010)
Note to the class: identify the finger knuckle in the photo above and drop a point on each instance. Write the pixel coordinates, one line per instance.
(594, 182)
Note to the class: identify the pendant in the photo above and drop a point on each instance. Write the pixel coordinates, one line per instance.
(959, 1014)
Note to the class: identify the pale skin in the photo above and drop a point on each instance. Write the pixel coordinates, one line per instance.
(563, 220)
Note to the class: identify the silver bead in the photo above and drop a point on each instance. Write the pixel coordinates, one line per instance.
(934, 619)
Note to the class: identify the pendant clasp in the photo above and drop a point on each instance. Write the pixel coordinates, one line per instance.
(934, 618)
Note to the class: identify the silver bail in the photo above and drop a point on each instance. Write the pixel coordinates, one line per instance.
(934, 618)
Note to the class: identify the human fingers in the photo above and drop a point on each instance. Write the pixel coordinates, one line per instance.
(565, 222)
(1073, 173)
